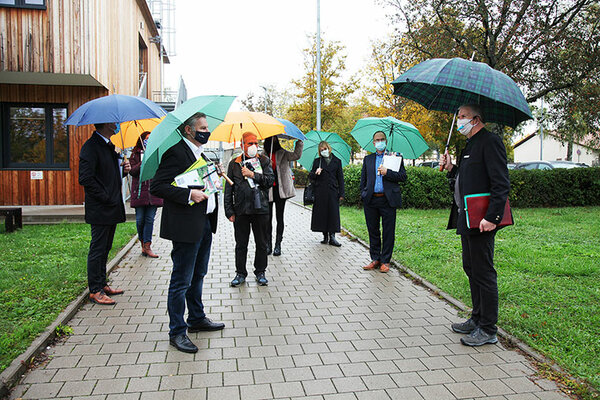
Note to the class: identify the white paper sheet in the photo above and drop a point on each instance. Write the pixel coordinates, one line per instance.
(392, 162)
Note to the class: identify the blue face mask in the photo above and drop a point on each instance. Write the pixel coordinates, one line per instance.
(380, 146)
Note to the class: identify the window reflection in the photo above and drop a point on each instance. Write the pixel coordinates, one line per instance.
(61, 140)
(27, 135)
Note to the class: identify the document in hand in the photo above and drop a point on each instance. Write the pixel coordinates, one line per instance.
(476, 206)
(392, 161)
(253, 164)
(201, 174)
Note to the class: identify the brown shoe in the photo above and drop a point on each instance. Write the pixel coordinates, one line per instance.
(112, 292)
(372, 265)
(384, 268)
(101, 298)
(148, 251)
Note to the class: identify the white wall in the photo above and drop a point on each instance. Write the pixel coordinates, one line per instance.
(554, 150)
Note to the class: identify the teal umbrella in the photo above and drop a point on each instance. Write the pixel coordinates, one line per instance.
(166, 135)
(340, 148)
(402, 137)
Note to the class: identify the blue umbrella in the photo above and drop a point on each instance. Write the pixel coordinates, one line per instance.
(291, 130)
(115, 108)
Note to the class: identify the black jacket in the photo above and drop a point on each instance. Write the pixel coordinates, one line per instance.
(239, 199)
(391, 189)
(100, 176)
(180, 222)
(481, 169)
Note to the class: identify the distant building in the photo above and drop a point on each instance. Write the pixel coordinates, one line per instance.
(528, 149)
(56, 55)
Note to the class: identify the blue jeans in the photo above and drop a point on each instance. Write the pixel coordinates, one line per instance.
(190, 264)
(144, 220)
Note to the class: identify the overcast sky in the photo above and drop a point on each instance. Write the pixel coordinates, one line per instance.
(233, 47)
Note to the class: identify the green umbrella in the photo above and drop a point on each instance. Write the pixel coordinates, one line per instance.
(166, 135)
(443, 84)
(340, 148)
(402, 137)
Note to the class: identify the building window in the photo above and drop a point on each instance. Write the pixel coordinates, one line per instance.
(34, 136)
(39, 4)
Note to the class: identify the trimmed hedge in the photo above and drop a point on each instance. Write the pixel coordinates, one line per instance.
(300, 177)
(428, 188)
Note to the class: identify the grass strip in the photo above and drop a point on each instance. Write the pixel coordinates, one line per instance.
(42, 270)
(548, 275)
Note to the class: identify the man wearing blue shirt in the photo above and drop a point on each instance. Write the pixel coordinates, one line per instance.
(381, 197)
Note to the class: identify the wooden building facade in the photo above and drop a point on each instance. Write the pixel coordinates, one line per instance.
(56, 55)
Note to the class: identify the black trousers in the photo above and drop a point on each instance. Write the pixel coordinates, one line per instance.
(478, 263)
(100, 245)
(279, 204)
(242, 226)
(379, 209)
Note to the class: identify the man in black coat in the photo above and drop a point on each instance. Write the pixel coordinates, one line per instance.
(100, 173)
(481, 169)
(381, 197)
(189, 219)
(247, 206)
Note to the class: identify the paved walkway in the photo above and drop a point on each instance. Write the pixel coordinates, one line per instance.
(322, 329)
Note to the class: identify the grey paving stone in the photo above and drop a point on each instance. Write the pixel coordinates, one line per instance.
(143, 384)
(348, 384)
(81, 388)
(190, 394)
(176, 382)
(110, 386)
(434, 392)
(287, 389)
(318, 386)
(41, 390)
(69, 374)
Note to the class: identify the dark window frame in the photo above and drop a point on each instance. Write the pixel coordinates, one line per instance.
(6, 164)
(22, 4)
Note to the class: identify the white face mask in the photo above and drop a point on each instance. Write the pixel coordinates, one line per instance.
(325, 153)
(464, 126)
(252, 151)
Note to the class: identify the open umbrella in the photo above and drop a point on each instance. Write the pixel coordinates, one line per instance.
(115, 108)
(291, 130)
(131, 131)
(341, 149)
(236, 123)
(443, 84)
(402, 137)
(166, 135)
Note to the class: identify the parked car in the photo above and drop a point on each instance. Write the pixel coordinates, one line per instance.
(430, 164)
(547, 165)
(511, 165)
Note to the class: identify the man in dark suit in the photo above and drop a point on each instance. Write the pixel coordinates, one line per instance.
(381, 197)
(189, 219)
(100, 174)
(481, 169)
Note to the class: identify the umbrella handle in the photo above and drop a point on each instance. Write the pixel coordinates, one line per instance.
(448, 141)
(222, 174)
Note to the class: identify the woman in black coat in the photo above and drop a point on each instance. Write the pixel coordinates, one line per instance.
(328, 182)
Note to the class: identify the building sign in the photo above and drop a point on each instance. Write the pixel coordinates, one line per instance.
(37, 175)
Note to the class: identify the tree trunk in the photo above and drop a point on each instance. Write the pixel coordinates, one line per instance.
(570, 150)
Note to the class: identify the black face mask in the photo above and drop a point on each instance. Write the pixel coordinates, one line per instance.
(202, 137)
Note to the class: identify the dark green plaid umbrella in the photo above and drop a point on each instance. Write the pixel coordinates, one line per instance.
(443, 84)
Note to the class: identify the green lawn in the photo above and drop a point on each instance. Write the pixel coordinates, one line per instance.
(42, 269)
(548, 274)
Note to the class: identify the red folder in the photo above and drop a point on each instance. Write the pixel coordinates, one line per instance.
(476, 206)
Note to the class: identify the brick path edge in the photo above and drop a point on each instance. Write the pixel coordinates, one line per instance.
(11, 375)
(510, 339)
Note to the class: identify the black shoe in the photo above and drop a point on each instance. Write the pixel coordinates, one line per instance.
(277, 249)
(269, 250)
(464, 327)
(206, 325)
(325, 238)
(238, 280)
(478, 338)
(332, 240)
(261, 280)
(183, 343)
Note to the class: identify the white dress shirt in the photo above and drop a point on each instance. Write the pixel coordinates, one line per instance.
(197, 150)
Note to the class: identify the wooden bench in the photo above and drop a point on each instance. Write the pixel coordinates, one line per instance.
(13, 218)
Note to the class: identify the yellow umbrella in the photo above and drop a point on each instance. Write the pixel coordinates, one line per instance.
(131, 131)
(236, 123)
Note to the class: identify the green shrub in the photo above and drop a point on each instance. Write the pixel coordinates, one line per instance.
(300, 177)
(428, 188)
(352, 184)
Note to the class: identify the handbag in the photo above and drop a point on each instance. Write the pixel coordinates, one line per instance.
(476, 206)
(309, 192)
